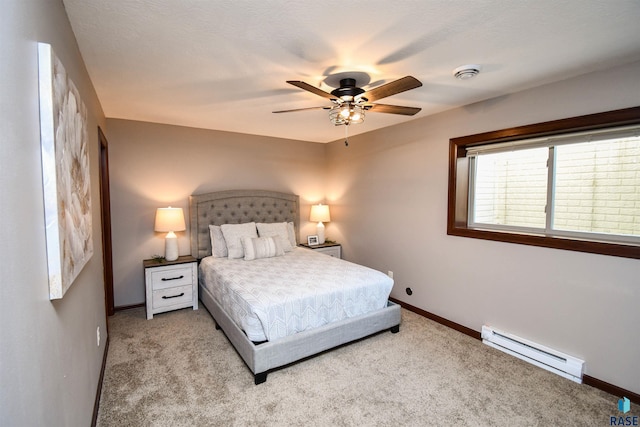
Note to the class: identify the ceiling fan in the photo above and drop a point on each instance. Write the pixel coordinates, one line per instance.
(351, 102)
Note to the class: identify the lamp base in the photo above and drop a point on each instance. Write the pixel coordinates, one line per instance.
(171, 247)
(320, 232)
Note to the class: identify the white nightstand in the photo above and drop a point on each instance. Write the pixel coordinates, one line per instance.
(331, 249)
(171, 285)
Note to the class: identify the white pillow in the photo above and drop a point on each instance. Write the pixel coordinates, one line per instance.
(218, 245)
(292, 234)
(232, 236)
(276, 229)
(261, 247)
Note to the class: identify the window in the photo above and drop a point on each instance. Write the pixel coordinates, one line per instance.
(569, 184)
(509, 189)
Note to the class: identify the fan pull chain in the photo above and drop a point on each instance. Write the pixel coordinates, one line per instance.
(346, 134)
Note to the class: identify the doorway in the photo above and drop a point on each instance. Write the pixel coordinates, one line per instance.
(105, 213)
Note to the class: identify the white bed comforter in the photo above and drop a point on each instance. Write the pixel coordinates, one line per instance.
(272, 298)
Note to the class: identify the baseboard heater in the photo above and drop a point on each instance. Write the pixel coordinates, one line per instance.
(539, 355)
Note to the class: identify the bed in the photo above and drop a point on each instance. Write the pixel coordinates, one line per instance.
(280, 345)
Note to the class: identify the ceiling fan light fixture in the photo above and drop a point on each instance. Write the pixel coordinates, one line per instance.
(346, 114)
(465, 72)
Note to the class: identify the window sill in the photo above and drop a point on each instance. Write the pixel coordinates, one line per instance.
(602, 248)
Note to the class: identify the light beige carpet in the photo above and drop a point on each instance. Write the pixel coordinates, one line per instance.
(177, 370)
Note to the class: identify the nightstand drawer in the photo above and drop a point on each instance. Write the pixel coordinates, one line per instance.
(167, 277)
(172, 296)
(334, 251)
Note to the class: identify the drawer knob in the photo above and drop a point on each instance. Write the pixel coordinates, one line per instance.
(173, 296)
(165, 279)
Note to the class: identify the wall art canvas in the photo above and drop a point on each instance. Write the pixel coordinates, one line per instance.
(65, 173)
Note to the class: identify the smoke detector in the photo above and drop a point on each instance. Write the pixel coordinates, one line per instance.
(465, 72)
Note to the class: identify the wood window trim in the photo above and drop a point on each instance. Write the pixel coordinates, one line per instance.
(458, 181)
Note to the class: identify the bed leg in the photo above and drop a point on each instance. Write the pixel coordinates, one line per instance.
(217, 326)
(395, 329)
(260, 378)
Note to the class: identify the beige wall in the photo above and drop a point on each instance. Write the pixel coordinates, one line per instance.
(49, 359)
(155, 165)
(388, 194)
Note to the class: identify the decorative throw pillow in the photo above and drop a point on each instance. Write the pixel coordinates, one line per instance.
(276, 229)
(261, 247)
(232, 236)
(218, 245)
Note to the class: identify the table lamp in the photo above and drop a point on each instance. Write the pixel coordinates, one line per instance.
(320, 214)
(169, 220)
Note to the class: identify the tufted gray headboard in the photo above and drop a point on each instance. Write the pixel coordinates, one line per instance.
(235, 207)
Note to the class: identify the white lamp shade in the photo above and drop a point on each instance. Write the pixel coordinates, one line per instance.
(170, 219)
(320, 213)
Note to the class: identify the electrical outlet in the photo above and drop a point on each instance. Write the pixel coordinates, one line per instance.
(98, 336)
(390, 274)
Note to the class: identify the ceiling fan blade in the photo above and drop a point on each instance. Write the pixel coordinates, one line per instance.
(310, 88)
(302, 109)
(393, 109)
(392, 88)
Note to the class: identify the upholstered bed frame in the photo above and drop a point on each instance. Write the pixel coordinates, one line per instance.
(239, 206)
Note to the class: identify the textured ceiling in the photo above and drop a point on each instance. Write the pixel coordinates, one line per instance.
(223, 64)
